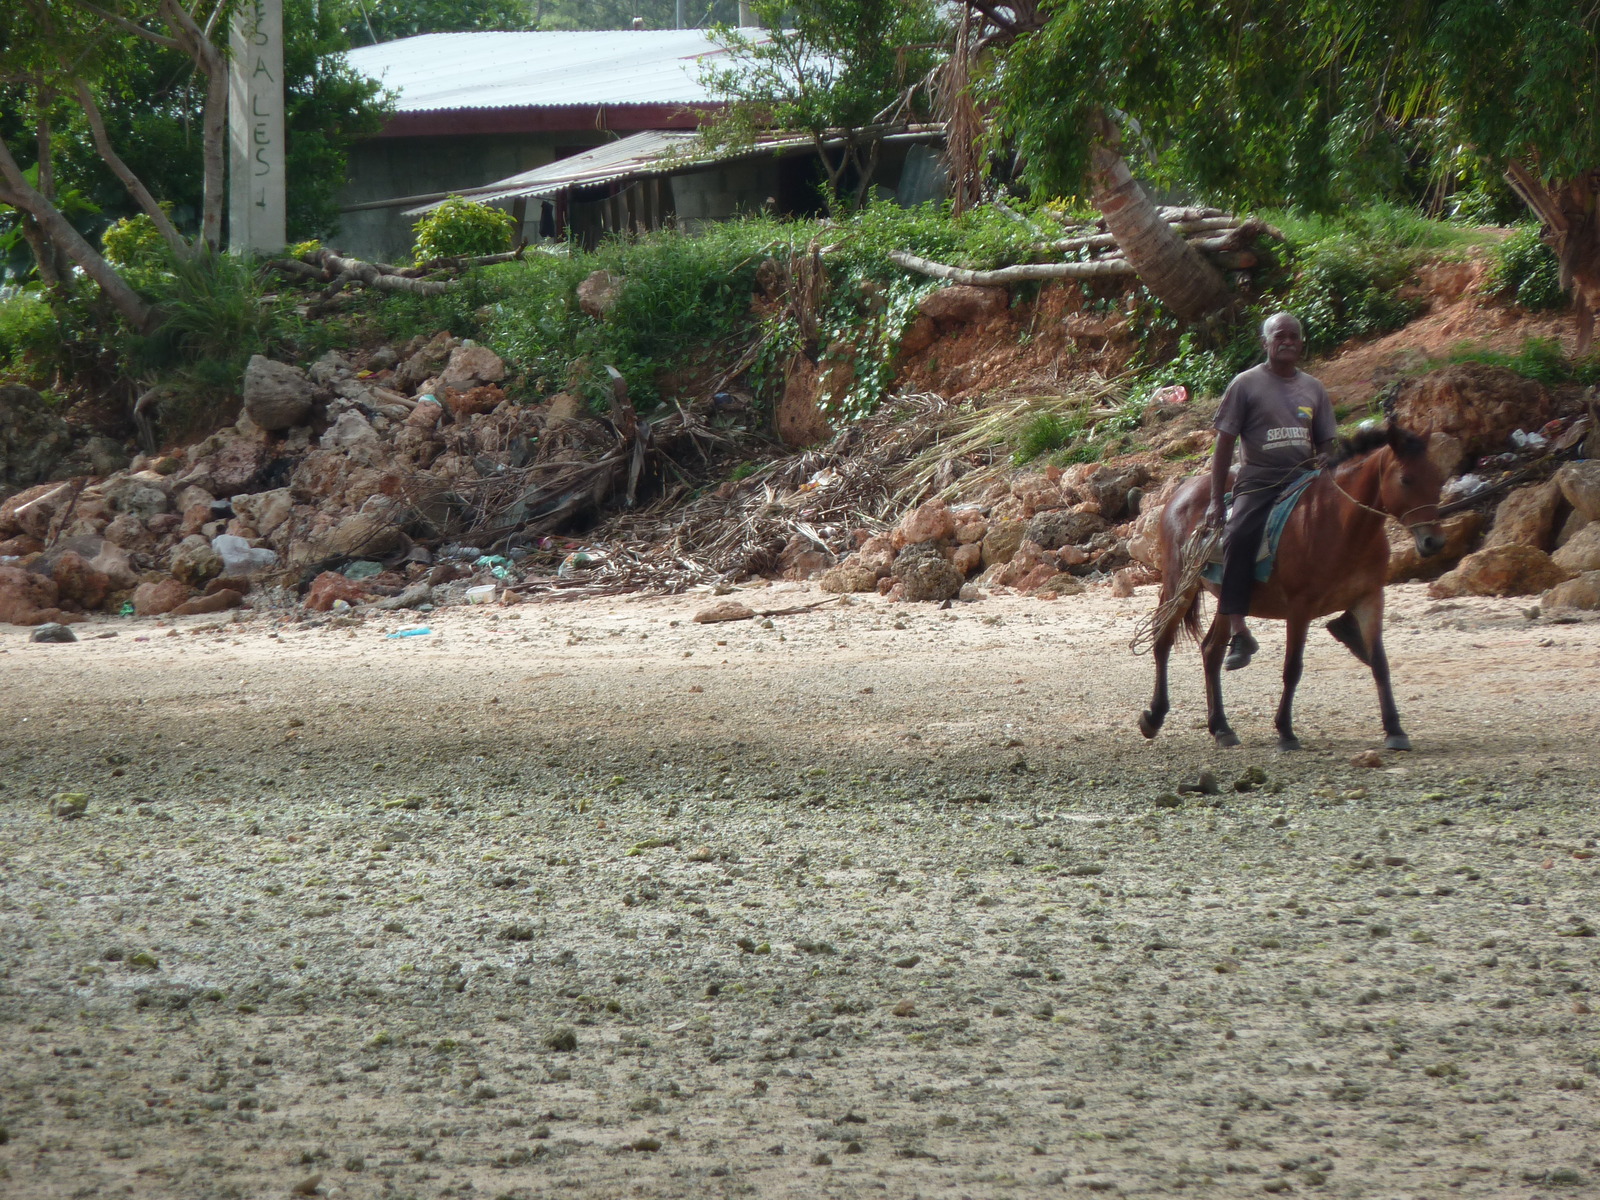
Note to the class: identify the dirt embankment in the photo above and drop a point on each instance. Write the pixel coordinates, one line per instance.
(591, 900)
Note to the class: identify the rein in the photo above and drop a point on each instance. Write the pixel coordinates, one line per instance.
(1378, 511)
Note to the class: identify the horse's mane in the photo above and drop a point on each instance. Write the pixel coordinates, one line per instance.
(1364, 441)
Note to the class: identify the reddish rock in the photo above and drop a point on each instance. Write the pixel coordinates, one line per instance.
(78, 583)
(1582, 592)
(127, 531)
(331, 586)
(213, 602)
(162, 524)
(1001, 542)
(230, 469)
(26, 597)
(1501, 571)
(474, 400)
(961, 304)
(30, 511)
(598, 293)
(724, 610)
(850, 576)
(155, 599)
(922, 334)
(1582, 551)
(193, 519)
(1526, 517)
(802, 559)
(967, 558)
(1057, 585)
(228, 583)
(1478, 403)
(20, 546)
(425, 415)
(469, 367)
(799, 418)
(1579, 483)
(928, 522)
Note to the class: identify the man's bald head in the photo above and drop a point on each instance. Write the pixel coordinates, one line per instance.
(1280, 318)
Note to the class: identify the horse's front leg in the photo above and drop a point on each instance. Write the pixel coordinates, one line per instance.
(1212, 650)
(1294, 661)
(1369, 615)
(1152, 718)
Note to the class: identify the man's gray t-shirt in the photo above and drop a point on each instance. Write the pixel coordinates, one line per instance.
(1279, 422)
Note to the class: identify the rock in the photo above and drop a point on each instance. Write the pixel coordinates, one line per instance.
(1582, 551)
(79, 582)
(724, 610)
(1500, 571)
(1580, 484)
(265, 511)
(801, 558)
(160, 597)
(1476, 402)
(424, 362)
(475, 400)
(127, 531)
(1367, 758)
(928, 522)
(193, 519)
(52, 631)
(921, 334)
(69, 806)
(1122, 583)
(1110, 488)
(1405, 563)
(851, 575)
(961, 304)
(1055, 584)
(1526, 517)
(99, 456)
(239, 557)
(331, 368)
(350, 429)
(276, 395)
(1446, 452)
(369, 533)
(799, 418)
(471, 366)
(33, 510)
(923, 573)
(212, 602)
(20, 546)
(330, 586)
(229, 468)
(1575, 523)
(141, 495)
(26, 597)
(967, 558)
(598, 294)
(1582, 592)
(1059, 527)
(33, 438)
(193, 561)
(1001, 542)
(425, 415)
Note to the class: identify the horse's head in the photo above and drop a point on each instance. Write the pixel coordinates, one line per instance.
(1409, 488)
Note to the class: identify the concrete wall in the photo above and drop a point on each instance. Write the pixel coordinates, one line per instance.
(391, 168)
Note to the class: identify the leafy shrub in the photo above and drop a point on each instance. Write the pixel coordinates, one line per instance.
(1047, 431)
(27, 332)
(134, 242)
(465, 228)
(1525, 271)
(1539, 358)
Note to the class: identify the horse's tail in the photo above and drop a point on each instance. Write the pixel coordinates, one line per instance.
(1179, 610)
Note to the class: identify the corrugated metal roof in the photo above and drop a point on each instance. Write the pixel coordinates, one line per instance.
(530, 70)
(654, 152)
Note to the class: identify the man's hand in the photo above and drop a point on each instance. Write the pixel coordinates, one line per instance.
(1215, 516)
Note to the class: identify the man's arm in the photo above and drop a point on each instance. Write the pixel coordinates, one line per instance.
(1221, 460)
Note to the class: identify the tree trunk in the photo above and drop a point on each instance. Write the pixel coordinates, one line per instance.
(211, 63)
(60, 234)
(1571, 220)
(1167, 265)
(178, 244)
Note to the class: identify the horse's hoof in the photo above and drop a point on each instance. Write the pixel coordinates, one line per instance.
(1148, 725)
(1227, 738)
(1287, 745)
(1397, 741)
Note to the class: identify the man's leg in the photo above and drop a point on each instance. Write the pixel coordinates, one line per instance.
(1240, 545)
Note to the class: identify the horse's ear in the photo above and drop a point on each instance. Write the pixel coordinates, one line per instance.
(1403, 442)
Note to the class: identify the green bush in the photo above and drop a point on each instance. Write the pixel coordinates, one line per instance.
(28, 332)
(135, 243)
(463, 228)
(1525, 272)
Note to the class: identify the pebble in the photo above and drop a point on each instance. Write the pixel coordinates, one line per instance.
(50, 631)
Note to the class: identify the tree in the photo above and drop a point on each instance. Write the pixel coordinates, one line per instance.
(145, 127)
(843, 72)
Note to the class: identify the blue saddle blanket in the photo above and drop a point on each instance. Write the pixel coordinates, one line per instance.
(1267, 557)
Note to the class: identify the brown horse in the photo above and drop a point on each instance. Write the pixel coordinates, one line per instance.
(1333, 557)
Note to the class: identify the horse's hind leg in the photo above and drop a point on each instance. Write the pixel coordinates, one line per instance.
(1212, 649)
(1369, 615)
(1294, 657)
(1346, 630)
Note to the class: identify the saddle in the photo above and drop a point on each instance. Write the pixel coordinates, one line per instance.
(1267, 554)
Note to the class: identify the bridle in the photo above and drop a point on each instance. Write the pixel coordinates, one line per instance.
(1380, 512)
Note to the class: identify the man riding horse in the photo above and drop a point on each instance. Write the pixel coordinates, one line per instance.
(1286, 423)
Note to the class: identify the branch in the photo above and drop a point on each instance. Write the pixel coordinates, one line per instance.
(135, 186)
(1017, 274)
(132, 27)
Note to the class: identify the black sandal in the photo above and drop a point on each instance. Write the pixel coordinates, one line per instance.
(1240, 651)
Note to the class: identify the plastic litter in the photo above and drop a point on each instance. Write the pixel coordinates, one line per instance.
(1173, 393)
(239, 557)
(578, 560)
(483, 593)
(498, 565)
(413, 631)
(1463, 485)
(457, 550)
(1528, 441)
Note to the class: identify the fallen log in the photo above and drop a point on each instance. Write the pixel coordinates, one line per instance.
(1006, 275)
